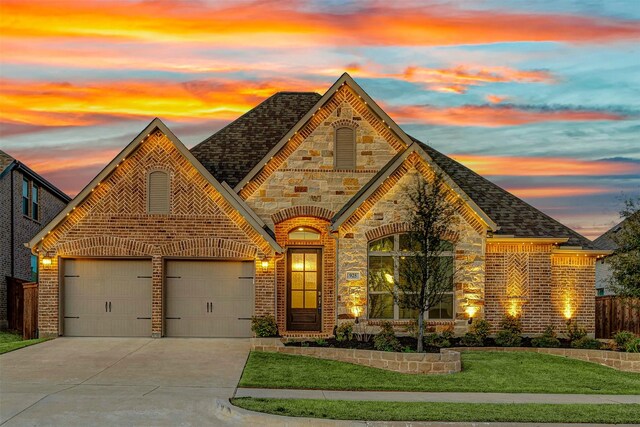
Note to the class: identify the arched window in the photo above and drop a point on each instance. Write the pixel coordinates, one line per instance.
(304, 233)
(345, 148)
(386, 258)
(158, 193)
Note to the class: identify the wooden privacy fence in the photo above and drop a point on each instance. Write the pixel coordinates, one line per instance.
(614, 314)
(22, 307)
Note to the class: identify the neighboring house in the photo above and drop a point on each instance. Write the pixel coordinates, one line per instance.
(286, 211)
(603, 270)
(27, 203)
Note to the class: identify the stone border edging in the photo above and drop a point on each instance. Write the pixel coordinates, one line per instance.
(446, 362)
(628, 362)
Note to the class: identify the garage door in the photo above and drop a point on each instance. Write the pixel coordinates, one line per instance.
(105, 298)
(208, 298)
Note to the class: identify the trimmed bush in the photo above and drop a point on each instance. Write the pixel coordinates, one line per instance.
(471, 340)
(547, 339)
(509, 335)
(633, 346)
(623, 338)
(438, 340)
(344, 332)
(481, 328)
(386, 339)
(264, 326)
(575, 331)
(586, 343)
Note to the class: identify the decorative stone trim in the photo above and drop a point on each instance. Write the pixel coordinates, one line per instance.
(296, 211)
(402, 227)
(105, 246)
(345, 122)
(211, 247)
(628, 362)
(445, 362)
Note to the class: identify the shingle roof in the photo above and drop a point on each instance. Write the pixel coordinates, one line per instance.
(5, 161)
(514, 216)
(606, 240)
(233, 151)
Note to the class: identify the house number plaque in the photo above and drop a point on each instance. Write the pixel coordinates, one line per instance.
(353, 275)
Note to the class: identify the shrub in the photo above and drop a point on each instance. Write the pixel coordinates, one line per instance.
(575, 331)
(633, 346)
(509, 335)
(321, 342)
(438, 340)
(472, 340)
(386, 339)
(587, 343)
(547, 339)
(344, 332)
(623, 338)
(264, 326)
(481, 328)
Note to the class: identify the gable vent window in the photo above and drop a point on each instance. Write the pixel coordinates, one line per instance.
(345, 148)
(158, 193)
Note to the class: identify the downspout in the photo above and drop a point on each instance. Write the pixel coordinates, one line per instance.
(276, 259)
(336, 236)
(13, 249)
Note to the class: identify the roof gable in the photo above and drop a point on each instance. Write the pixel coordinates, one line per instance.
(388, 177)
(157, 125)
(315, 116)
(233, 151)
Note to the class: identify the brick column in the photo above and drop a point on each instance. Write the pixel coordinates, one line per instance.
(157, 264)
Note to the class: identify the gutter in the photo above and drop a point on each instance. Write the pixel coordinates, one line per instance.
(13, 238)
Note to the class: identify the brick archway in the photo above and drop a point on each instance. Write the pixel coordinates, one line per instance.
(302, 211)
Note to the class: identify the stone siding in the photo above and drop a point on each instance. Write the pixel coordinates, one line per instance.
(306, 176)
(629, 362)
(445, 362)
(113, 221)
(388, 216)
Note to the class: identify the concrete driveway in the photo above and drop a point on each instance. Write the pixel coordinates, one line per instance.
(119, 381)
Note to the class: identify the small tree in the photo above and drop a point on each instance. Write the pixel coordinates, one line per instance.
(425, 275)
(625, 261)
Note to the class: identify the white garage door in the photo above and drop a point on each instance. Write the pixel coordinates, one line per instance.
(208, 298)
(106, 298)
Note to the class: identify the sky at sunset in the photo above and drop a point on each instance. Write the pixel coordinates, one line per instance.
(541, 97)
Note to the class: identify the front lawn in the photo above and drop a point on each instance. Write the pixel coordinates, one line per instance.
(438, 411)
(506, 372)
(10, 341)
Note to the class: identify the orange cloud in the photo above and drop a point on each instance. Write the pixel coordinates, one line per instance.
(494, 115)
(89, 103)
(459, 78)
(544, 166)
(496, 99)
(542, 192)
(282, 24)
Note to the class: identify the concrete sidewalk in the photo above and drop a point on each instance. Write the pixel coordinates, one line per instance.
(402, 396)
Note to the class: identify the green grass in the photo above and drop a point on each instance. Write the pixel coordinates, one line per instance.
(437, 411)
(10, 341)
(481, 372)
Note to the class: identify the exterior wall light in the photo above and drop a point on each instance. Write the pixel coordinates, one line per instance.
(264, 264)
(471, 311)
(46, 261)
(356, 310)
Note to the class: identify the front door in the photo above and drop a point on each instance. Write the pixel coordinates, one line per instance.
(304, 289)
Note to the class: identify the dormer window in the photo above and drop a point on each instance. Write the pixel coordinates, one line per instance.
(345, 148)
(158, 193)
(304, 233)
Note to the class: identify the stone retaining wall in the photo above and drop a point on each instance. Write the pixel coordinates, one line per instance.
(445, 362)
(629, 362)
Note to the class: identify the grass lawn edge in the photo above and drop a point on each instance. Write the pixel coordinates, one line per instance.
(17, 345)
(443, 412)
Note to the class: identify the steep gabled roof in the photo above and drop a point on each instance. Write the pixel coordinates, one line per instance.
(233, 151)
(230, 196)
(5, 161)
(514, 216)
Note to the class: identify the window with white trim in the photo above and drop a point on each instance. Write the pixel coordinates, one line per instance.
(385, 257)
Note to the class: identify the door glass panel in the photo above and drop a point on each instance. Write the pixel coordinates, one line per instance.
(311, 280)
(310, 262)
(297, 280)
(310, 299)
(297, 299)
(297, 262)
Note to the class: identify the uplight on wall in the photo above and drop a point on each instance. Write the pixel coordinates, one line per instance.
(471, 312)
(568, 310)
